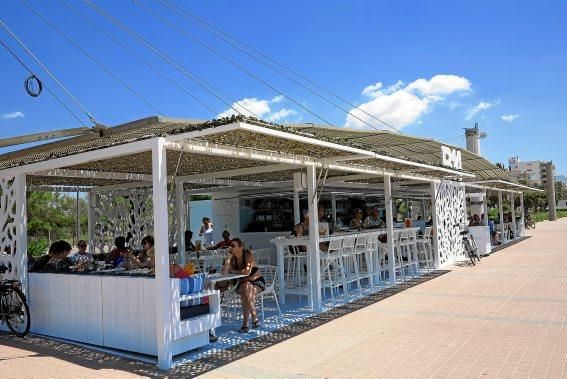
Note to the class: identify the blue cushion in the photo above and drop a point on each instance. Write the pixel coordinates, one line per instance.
(193, 284)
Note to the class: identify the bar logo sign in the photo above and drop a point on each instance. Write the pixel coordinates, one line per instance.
(451, 157)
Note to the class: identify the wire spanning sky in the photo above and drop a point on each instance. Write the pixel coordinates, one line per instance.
(426, 68)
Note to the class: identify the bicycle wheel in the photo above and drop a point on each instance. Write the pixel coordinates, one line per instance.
(474, 248)
(468, 250)
(18, 315)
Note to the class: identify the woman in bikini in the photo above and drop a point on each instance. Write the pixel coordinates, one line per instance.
(241, 261)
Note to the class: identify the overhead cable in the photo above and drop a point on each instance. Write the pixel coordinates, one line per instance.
(232, 62)
(100, 64)
(139, 57)
(179, 66)
(222, 35)
(91, 118)
(45, 85)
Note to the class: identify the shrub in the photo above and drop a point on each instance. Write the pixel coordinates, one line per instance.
(38, 246)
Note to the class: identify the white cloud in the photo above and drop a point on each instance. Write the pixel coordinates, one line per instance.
(280, 115)
(400, 104)
(15, 114)
(440, 85)
(261, 108)
(509, 117)
(482, 106)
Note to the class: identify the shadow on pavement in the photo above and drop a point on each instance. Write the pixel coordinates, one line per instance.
(97, 360)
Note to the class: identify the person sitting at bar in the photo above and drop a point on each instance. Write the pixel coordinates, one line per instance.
(475, 220)
(82, 254)
(146, 259)
(324, 229)
(116, 256)
(374, 221)
(56, 260)
(189, 245)
(207, 232)
(241, 261)
(301, 229)
(356, 223)
(225, 243)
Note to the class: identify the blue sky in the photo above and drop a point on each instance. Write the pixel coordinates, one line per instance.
(441, 66)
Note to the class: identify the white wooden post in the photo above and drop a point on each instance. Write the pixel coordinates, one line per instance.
(434, 225)
(315, 301)
(512, 205)
(485, 208)
(162, 282)
(181, 214)
(21, 249)
(90, 223)
(334, 208)
(522, 215)
(389, 230)
(501, 215)
(296, 186)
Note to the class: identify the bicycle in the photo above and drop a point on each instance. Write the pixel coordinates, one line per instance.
(470, 246)
(14, 310)
(529, 223)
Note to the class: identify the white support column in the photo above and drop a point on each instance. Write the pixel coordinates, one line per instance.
(163, 304)
(501, 215)
(389, 229)
(334, 208)
(485, 208)
(314, 266)
(90, 222)
(181, 214)
(522, 215)
(296, 188)
(435, 227)
(512, 205)
(22, 230)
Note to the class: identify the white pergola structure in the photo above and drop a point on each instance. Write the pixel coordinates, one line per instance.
(162, 160)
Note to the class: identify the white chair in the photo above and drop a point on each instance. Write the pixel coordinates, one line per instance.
(295, 262)
(425, 250)
(270, 274)
(373, 246)
(263, 256)
(400, 247)
(332, 268)
(412, 251)
(363, 263)
(349, 261)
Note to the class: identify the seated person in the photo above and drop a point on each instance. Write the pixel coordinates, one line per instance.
(189, 245)
(241, 261)
(301, 229)
(146, 259)
(56, 260)
(225, 243)
(356, 222)
(374, 221)
(81, 255)
(116, 256)
(475, 220)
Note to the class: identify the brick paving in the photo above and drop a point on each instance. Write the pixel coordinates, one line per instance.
(506, 317)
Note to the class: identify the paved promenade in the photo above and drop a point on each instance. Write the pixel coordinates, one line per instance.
(506, 317)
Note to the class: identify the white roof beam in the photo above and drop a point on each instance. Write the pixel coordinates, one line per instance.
(94, 174)
(240, 172)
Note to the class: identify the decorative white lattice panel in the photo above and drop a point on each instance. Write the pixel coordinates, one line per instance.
(450, 216)
(118, 212)
(9, 254)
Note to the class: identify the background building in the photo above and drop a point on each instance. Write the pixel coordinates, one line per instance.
(532, 171)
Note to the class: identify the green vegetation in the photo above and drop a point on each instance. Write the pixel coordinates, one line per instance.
(52, 216)
(541, 216)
